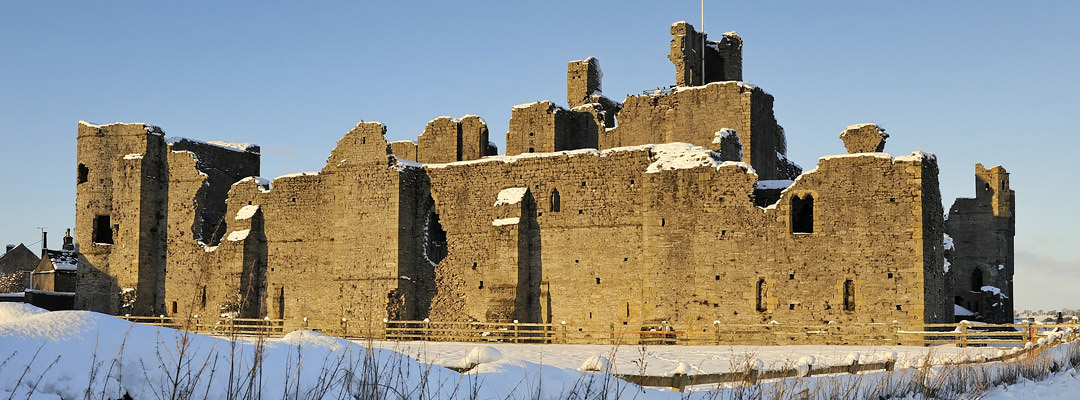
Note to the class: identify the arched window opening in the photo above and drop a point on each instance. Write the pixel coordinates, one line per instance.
(802, 214)
(556, 201)
(762, 295)
(976, 280)
(849, 295)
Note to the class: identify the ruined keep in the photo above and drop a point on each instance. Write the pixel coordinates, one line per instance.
(678, 205)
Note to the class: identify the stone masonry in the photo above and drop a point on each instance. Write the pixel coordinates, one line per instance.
(677, 206)
(982, 231)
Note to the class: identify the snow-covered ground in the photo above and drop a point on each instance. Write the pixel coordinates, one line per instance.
(78, 354)
(663, 360)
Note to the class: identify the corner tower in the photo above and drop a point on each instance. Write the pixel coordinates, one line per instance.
(120, 219)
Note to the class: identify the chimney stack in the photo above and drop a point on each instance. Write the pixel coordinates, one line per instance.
(69, 243)
(44, 243)
(8, 249)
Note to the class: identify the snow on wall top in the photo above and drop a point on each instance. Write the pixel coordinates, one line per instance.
(298, 174)
(245, 147)
(723, 133)
(246, 212)
(675, 156)
(914, 156)
(744, 85)
(400, 164)
(257, 179)
(133, 156)
(527, 105)
(672, 152)
(238, 147)
(510, 196)
(151, 129)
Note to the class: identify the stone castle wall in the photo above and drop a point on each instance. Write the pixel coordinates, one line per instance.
(982, 230)
(688, 246)
(684, 212)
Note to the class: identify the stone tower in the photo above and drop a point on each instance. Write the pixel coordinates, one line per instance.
(699, 61)
(120, 218)
(982, 231)
(583, 78)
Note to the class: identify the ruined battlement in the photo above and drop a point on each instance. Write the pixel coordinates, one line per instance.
(700, 61)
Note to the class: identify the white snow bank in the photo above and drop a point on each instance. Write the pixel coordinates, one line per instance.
(14, 311)
(246, 212)
(510, 196)
(480, 355)
(681, 369)
(595, 363)
(78, 354)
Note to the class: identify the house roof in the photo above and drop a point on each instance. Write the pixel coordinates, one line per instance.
(59, 260)
(18, 258)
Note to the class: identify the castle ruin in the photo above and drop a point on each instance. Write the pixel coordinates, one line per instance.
(677, 205)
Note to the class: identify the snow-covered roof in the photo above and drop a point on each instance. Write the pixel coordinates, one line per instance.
(63, 260)
(510, 196)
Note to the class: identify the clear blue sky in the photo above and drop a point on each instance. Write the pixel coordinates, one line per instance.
(990, 82)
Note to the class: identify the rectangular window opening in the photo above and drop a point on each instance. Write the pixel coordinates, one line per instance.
(103, 232)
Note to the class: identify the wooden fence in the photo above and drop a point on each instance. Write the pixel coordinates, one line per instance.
(960, 334)
(217, 326)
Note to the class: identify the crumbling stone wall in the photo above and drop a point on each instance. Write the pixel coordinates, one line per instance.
(636, 234)
(222, 166)
(694, 115)
(121, 201)
(543, 127)
(699, 61)
(343, 242)
(448, 139)
(982, 231)
(687, 245)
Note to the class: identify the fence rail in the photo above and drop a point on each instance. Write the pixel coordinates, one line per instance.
(960, 334)
(217, 326)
